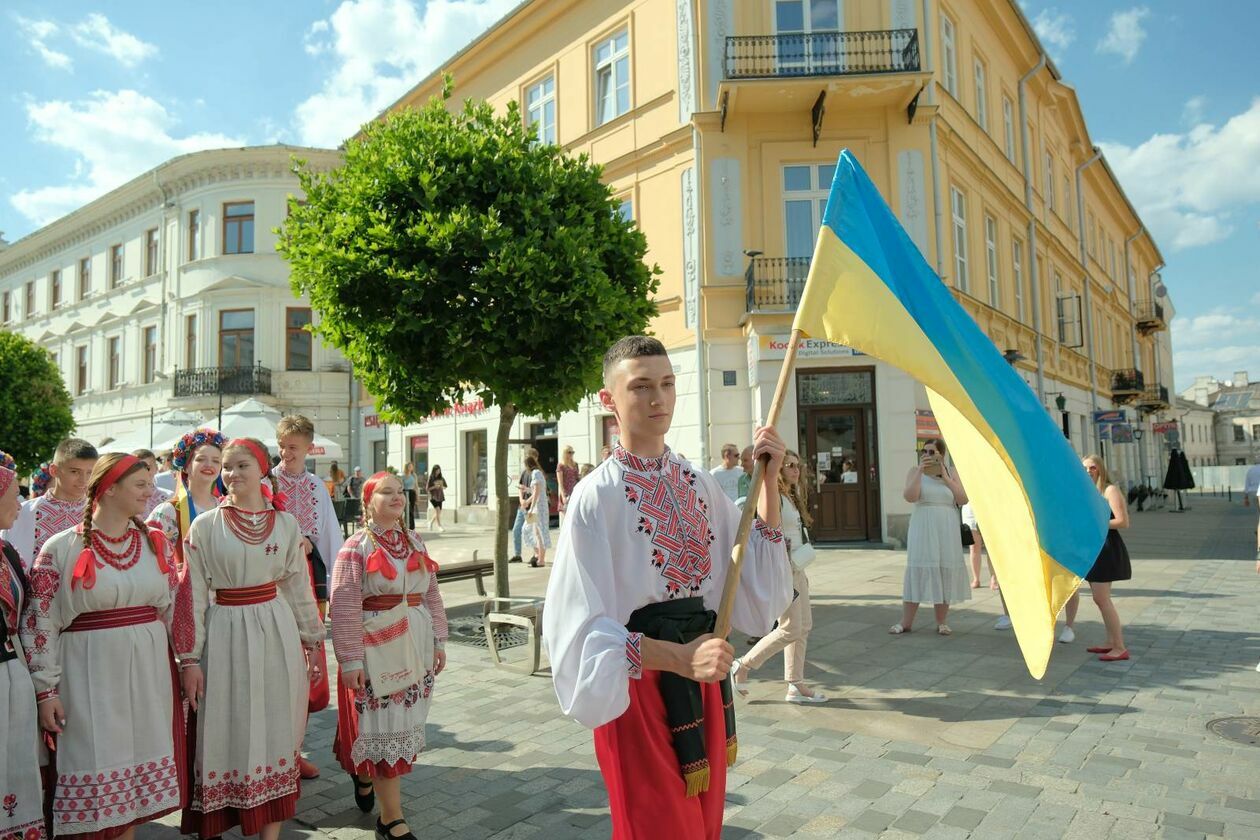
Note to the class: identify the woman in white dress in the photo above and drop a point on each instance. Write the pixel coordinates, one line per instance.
(96, 636)
(537, 514)
(383, 579)
(247, 673)
(936, 573)
(22, 815)
(196, 460)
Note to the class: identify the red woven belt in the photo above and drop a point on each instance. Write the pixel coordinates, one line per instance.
(377, 603)
(109, 619)
(245, 595)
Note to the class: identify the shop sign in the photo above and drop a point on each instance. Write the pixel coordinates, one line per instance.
(775, 347)
(1164, 427)
(419, 442)
(372, 421)
(1109, 417)
(1121, 433)
(925, 426)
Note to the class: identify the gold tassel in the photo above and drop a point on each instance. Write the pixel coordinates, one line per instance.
(697, 781)
(732, 751)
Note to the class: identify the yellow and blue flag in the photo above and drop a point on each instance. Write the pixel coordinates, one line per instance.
(1043, 520)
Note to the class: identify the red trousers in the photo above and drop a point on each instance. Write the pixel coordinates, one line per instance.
(646, 792)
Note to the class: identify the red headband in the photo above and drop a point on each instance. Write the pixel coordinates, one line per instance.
(6, 478)
(116, 472)
(369, 486)
(278, 500)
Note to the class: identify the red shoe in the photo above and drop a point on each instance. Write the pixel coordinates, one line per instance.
(1119, 657)
(1103, 649)
(307, 769)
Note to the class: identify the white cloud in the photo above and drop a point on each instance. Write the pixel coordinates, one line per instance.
(95, 32)
(1216, 343)
(38, 32)
(1187, 186)
(1192, 112)
(381, 49)
(115, 136)
(1125, 34)
(1255, 299)
(1055, 28)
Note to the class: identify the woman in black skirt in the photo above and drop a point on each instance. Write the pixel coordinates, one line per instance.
(1112, 565)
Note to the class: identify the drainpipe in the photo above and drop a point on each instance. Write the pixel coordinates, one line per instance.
(1133, 342)
(1032, 224)
(937, 211)
(160, 362)
(702, 373)
(1089, 311)
(1155, 345)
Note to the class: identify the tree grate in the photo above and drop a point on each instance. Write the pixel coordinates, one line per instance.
(1240, 730)
(468, 630)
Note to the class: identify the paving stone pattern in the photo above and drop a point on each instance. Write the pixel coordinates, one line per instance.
(925, 736)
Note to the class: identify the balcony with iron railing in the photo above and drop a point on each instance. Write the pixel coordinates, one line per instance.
(1126, 385)
(1153, 398)
(775, 284)
(1149, 316)
(822, 54)
(213, 381)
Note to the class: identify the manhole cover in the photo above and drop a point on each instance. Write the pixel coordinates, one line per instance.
(1243, 730)
(468, 630)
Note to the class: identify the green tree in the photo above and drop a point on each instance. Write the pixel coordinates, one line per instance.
(454, 255)
(35, 415)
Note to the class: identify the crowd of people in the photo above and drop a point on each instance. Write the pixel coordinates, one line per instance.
(163, 646)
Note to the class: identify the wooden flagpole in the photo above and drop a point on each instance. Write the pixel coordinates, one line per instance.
(755, 490)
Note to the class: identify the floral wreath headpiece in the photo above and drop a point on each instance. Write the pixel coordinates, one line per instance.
(182, 452)
(7, 462)
(40, 481)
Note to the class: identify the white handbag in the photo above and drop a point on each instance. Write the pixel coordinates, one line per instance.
(802, 555)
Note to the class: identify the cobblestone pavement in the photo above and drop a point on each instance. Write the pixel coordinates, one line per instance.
(925, 736)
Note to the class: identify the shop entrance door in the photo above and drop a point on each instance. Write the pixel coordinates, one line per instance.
(836, 444)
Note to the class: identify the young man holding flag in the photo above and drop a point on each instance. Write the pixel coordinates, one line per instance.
(643, 556)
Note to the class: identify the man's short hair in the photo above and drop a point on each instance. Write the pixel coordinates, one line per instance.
(74, 449)
(144, 454)
(632, 347)
(295, 424)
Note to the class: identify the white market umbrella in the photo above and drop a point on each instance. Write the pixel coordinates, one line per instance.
(252, 418)
(167, 429)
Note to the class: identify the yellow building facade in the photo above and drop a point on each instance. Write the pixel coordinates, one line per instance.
(718, 123)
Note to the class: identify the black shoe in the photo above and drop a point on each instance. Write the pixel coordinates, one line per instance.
(516, 558)
(365, 801)
(382, 831)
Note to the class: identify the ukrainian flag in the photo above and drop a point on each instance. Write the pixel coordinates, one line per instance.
(1042, 518)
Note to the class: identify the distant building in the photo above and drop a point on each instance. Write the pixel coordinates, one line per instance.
(1237, 407)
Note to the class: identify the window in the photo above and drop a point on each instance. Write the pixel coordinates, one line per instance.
(798, 19)
(190, 341)
(991, 261)
(1239, 434)
(297, 339)
(238, 227)
(1008, 128)
(982, 96)
(1065, 206)
(150, 355)
(1017, 266)
(958, 207)
(476, 467)
(949, 51)
(194, 235)
(80, 370)
(625, 209)
(612, 77)
(1049, 182)
(1092, 241)
(114, 354)
(150, 252)
(1255, 431)
(8, 307)
(1111, 250)
(805, 190)
(28, 304)
(54, 289)
(236, 338)
(540, 109)
(115, 266)
(85, 277)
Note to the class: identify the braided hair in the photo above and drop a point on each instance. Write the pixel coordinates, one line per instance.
(101, 469)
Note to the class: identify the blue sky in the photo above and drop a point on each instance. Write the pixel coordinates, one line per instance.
(96, 93)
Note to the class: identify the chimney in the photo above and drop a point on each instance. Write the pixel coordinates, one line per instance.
(1240, 379)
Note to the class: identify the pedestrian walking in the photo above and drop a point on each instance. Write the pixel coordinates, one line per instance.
(566, 479)
(354, 484)
(522, 488)
(977, 549)
(792, 633)
(253, 657)
(729, 471)
(537, 508)
(437, 497)
(20, 780)
(745, 480)
(1112, 565)
(338, 478)
(96, 634)
(384, 582)
(935, 571)
(1251, 488)
(410, 493)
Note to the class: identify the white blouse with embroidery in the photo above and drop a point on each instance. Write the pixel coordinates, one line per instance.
(639, 531)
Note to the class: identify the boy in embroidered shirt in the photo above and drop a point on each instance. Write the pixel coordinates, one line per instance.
(643, 555)
(308, 501)
(61, 508)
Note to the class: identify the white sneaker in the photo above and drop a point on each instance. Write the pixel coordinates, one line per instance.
(1067, 636)
(794, 696)
(1003, 623)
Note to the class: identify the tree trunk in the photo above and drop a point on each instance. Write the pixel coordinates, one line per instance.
(507, 414)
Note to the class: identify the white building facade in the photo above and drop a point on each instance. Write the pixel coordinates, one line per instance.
(167, 292)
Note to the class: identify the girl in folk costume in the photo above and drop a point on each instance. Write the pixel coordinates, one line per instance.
(21, 796)
(384, 580)
(196, 460)
(247, 673)
(96, 636)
